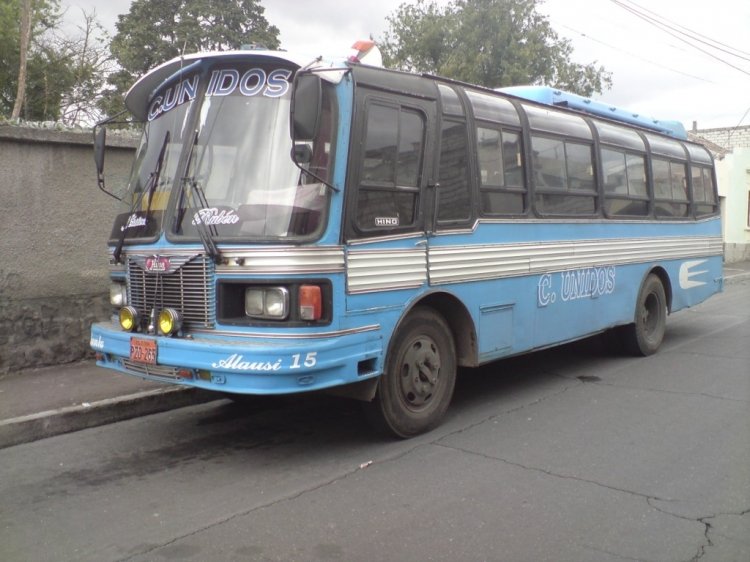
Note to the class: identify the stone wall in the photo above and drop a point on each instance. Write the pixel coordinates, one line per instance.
(53, 254)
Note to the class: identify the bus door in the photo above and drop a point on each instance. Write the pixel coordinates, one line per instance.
(389, 196)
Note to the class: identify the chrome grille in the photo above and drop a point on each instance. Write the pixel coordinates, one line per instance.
(189, 289)
(161, 371)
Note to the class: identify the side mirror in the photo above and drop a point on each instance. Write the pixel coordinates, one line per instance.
(302, 153)
(100, 138)
(100, 142)
(307, 95)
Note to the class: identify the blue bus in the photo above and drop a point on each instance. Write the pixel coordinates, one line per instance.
(294, 225)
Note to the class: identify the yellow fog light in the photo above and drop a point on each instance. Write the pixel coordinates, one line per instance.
(170, 321)
(128, 318)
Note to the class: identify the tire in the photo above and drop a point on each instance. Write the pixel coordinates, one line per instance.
(645, 335)
(417, 385)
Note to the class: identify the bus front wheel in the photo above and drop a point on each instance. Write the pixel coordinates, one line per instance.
(420, 373)
(645, 335)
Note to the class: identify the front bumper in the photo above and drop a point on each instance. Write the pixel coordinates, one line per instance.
(252, 364)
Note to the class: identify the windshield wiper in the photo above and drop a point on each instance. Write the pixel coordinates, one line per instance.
(149, 188)
(197, 197)
(196, 194)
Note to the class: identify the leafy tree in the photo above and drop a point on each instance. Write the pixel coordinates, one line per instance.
(493, 43)
(42, 16)
(154, 31)
(63, 75)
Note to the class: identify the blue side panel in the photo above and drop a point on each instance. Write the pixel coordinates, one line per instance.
(550, 282)
(558, 98)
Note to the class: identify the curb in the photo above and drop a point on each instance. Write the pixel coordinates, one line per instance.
(33, 427)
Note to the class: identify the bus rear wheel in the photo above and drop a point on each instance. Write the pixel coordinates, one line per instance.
(645, 335)
(420, 374)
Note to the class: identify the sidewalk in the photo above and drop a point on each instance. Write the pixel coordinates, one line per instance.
(39, 403)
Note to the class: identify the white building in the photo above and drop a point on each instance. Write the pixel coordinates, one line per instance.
(731, 149)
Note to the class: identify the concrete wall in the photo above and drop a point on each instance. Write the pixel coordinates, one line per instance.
(731, 149)
(53, 232)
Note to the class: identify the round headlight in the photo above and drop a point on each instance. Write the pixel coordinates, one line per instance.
(118, 294)
(170, 321)
(128, 318)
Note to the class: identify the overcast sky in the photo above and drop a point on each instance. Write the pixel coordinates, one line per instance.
(654, 73)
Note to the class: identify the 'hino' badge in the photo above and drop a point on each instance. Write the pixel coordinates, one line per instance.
(157, 264)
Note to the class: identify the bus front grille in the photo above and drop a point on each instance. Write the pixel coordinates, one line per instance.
(187, 287)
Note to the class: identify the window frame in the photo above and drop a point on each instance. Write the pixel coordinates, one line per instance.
(607, 197)
(575, 194)
(520, 190)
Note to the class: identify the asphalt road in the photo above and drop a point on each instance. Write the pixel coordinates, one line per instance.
(570, 454)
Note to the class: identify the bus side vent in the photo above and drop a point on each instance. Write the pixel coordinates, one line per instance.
(366, 367)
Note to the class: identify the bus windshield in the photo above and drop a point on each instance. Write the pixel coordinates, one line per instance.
(225, 164)
(241, 181)
(152, 176)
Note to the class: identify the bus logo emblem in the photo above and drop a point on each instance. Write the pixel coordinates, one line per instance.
(687, 274)
(157, 264)
(386, 221)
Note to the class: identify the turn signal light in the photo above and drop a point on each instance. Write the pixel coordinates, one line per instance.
(310, 302)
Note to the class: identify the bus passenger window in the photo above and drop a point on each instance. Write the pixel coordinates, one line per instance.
(454, 197)
(624, 183)
(490, 157)
(615, 172)
(512, 168)
(704, 194)
(662, 183)
(500, 171)
(549, 162)
(636, 167)
(580, 167)
(678, 173)
(564, 177)
(670, 188)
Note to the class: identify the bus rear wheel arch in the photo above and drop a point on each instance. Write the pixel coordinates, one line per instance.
(417, 383)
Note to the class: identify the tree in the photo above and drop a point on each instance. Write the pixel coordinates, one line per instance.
(61, 77)
(89, 62)
(492, 43)
(154, 31)
(21, 25)
(23, 49)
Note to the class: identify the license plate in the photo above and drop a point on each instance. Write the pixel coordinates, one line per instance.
(143, 351)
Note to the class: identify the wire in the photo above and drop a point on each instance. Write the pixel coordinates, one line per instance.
(694, 34)
(737, 126)
(582, 34)
(666, 30)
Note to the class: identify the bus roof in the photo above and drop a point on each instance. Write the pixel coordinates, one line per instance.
(558, 98)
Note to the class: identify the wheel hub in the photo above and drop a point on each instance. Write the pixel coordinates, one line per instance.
(420, 370)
